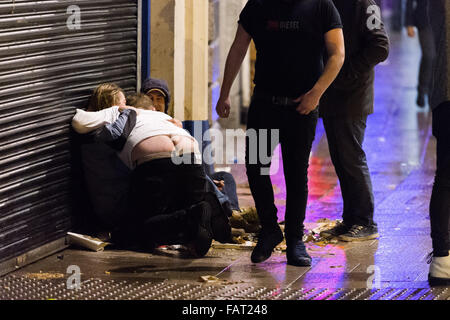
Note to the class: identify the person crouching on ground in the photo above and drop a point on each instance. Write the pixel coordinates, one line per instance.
(223, 183)
(160, 187)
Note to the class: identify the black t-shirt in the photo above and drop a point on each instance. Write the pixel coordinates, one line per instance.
(290, 42)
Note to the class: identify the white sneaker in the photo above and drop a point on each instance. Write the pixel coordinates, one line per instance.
(440, 271)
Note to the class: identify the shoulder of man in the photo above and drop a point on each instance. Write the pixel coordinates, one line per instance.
(257, 4)
(361, 9)
(365, 3)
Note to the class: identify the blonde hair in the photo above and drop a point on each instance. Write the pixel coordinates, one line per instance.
(140, 101)
(105, 96)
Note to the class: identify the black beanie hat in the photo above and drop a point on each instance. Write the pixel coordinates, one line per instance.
(152, 83)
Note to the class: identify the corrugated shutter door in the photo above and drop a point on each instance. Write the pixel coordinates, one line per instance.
(46, 71)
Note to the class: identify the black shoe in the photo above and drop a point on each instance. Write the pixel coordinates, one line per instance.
(267, 241)
(421, 100)
(336, 231)
(220, 223)
(296, 254)
(202, 240)
(359, 233)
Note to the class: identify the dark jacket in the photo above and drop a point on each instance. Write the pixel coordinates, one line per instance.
(107, 178)
(440, 22)
(352, 93)
(417, 14)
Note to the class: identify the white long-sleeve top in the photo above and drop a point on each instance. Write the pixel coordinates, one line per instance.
(148, 124)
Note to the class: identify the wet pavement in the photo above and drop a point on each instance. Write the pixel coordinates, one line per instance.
(401, 158)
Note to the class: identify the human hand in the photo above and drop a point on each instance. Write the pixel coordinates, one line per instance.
(308, 102)
(219, 184)
(223, 107)
(411, 31)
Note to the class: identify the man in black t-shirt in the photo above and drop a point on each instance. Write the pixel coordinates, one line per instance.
(291, 37)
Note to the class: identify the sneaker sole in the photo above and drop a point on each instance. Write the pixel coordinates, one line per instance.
(353, 239)
(328, 235)
(435, 282)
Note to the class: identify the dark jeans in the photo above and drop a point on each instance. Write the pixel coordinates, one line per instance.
(345, 139)
(229, 189)
(440, 199)
(161, 195)
(426, 64)
(296, 135)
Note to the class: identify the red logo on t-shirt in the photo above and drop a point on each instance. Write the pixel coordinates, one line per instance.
(273, 25)
(289, 25)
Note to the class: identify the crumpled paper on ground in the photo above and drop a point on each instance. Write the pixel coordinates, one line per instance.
(313, 235)
(247, 241)
(247, 219)
(86, 241)
(215, 280)
(45, 275)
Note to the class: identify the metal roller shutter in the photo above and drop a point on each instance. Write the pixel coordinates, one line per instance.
(46, 71)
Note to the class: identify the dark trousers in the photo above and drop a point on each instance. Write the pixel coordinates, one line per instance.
(426, 39)
(296, 134)
(345, 139)
(440, 199)
(161, 195)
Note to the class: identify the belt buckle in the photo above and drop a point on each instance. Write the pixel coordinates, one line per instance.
(274, 100)
(279, 101)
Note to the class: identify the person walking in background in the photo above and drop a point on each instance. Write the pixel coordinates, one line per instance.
(440, 104)
(417, 17)
(344, 108)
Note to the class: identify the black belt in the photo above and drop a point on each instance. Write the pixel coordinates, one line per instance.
(277, 100)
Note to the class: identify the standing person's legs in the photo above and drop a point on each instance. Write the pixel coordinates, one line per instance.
(262, 126)
(440, 199)
(330, 129)
(426, 65)
(345, 138)
(296, 138)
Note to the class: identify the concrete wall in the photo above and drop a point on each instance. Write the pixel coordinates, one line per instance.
(229, 11)
(189, 47)
(179, 54)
